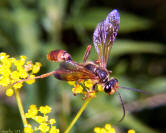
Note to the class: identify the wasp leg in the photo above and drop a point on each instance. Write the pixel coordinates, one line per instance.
(90, 92)
(77, 84)
(96, 62)
(37, 77)
(87, 52)
(109, 71)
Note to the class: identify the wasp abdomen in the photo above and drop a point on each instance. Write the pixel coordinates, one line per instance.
(59, 56)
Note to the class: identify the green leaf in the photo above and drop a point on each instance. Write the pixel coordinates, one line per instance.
(128, 46)
(89, 18)
(157, 85)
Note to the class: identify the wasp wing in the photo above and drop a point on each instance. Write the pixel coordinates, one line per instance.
(72, 71)
(104, 36)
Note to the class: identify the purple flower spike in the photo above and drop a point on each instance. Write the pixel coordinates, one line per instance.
(105, 34)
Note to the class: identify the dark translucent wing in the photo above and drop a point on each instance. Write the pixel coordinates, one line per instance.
(104, 36)
(71, 71)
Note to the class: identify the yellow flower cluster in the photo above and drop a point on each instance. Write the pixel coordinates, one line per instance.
(13, 70)
(39, 115)
(108, 129)
(84, 87)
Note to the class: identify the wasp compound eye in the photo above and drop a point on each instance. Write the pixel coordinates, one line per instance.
(110, 86)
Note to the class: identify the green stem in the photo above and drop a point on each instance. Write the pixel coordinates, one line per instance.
(20, 107)
(78, 115)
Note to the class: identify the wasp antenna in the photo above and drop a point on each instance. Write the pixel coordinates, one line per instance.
(123, 107)
(134, 89)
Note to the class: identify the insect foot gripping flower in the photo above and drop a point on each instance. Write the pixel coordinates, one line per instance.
(85, 87)
(13, 70)
(45, 125)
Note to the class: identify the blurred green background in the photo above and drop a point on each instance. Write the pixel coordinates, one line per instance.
(138, 60)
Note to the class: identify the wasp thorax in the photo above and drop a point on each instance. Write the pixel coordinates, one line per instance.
(102, 74)
(59, 56)
(111, 86)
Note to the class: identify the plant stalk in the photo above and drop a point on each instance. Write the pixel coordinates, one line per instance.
(78, 115)
(20, 107)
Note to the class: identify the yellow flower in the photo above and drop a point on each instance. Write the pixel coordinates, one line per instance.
(107, 129)
(15, 76)
(131, 131)
(17, 85)
(28, 129)
(77, 89)
(72, 83)
(9, 92)
(52, 121)
(28, 66)
(39, 119)
(13, 70)
(45, 109)
(107, 126)
(96, 129)
(44, 128)
(22, 73)
(45, 124)
(32, 111)
(30, 81)
(88, 84)
(36, 67)
(54, 130)
(100, 87)
(4, 81)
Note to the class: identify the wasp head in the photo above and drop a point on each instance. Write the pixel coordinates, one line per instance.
(111, 86)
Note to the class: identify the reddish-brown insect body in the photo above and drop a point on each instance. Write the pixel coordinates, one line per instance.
(69, 70)
(59, 56)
